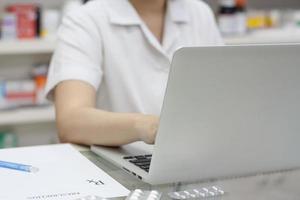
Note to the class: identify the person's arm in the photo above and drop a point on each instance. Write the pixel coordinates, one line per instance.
(78, 120)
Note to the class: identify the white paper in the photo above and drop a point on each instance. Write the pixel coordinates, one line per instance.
(64, 174)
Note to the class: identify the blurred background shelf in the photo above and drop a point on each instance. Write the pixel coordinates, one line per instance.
(266, 37)
(18, 58)
(37, 46)
(40, 46)
(23, 116)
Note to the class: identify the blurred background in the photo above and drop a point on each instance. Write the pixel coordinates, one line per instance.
(28, 32)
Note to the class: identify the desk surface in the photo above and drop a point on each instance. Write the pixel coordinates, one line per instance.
(283, 186)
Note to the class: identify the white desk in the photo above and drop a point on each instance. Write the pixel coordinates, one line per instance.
(277, 186)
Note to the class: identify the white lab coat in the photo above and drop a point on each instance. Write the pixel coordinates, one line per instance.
(106, 44)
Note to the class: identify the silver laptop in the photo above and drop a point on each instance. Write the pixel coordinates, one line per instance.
(228, 111)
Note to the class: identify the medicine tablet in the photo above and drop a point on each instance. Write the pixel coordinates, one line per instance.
(144, 195)
(201, 193)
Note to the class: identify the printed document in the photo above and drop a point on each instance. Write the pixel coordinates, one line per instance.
(63, 174)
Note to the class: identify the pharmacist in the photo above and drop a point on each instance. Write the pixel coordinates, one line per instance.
(109, 72)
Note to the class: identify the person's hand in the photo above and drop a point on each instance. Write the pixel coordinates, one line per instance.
(147, 126)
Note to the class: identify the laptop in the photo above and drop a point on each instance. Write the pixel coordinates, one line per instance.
(228, 111)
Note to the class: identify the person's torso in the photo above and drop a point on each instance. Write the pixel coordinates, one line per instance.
(135, 65)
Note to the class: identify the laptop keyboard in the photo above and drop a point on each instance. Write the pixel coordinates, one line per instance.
(142, 161)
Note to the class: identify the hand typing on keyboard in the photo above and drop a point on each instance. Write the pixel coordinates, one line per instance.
(147, 127)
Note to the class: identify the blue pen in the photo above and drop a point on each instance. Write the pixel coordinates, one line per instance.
(19, 167)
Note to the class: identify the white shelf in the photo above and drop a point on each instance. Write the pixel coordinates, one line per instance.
(37, 46)
(266, 37)
(261, 40)
(27, 116)
(40, 46)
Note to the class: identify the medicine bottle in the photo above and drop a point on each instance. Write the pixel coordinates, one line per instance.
(227, 17)
(241, 17)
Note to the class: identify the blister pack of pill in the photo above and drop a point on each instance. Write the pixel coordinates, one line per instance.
(144, 195)
(200, 193)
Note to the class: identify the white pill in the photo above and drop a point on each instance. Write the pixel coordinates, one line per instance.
(212, 193)
(138, 191)
(176, 193)
(201, 194)
(221, 192)
(196, 191)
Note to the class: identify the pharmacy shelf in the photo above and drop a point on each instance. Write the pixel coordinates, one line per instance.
(27, 116)
(261, 40)
(19, 47)
(266, 37)
(40, 46)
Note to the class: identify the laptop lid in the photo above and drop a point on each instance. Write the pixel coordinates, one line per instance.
(229, 111)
